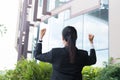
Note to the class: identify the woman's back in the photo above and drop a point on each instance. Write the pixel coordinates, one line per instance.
(68, 61)
(62, 68)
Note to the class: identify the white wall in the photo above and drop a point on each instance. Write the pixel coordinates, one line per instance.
(114, 28)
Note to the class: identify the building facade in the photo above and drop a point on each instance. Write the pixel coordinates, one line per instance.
(86, 16)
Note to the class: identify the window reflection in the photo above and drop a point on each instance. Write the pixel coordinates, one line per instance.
(52, 4)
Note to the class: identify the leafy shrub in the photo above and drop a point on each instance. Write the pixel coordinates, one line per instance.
(90, 73)
(2, 73)
(1, 76)
(29, 70)
(111, 72)
(46, 70)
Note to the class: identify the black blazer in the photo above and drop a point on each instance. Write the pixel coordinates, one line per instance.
(62, 68)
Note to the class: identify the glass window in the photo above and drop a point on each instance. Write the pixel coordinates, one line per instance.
(53, 37)
(77, 22)
(102, 57)
(56, 26)
(56, 3)
(97, 26)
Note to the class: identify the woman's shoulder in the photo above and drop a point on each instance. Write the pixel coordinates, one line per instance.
(58, 49)
(81, 50)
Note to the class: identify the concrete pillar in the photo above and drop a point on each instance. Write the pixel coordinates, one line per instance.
(114, 30)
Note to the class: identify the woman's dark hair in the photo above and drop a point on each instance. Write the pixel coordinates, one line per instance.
(69, 34)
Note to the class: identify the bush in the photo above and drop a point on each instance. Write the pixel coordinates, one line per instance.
(111, 72)
(29, 70)
(2, 73)
(1, 77)
(90, 73)
(46, 70)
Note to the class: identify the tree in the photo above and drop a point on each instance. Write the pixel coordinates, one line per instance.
(3, 29)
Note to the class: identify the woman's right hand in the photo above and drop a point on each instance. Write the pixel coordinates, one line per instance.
(42, 33)
(91, 37)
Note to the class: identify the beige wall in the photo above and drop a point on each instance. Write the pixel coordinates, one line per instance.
(114, 28)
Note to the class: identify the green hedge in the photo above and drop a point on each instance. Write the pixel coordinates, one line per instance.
(90, 73)
(111, 72)
(30, 70)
